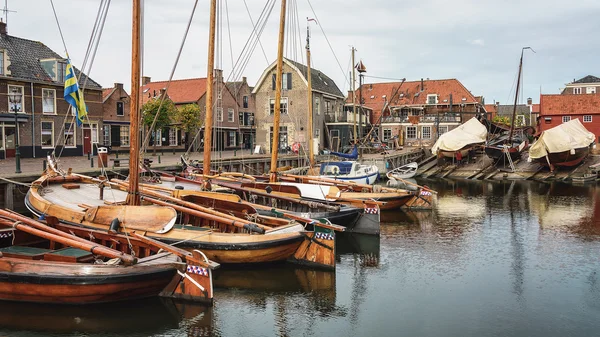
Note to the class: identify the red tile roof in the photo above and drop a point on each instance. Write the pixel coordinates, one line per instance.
(569, 105)
(180, 91)
(373, 93)
(106, 92)
(535, 109)
(491, 108)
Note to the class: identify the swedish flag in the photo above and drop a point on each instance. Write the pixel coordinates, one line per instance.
(73, 94)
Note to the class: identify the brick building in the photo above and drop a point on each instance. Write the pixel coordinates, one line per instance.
(589, 85)
(246, 108)
(116, 107)
(193, 91)
(327, 98)
(418, 111)
(36, 73)
(557, 109)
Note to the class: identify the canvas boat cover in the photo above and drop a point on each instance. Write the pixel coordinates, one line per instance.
(471, 132)
(565, 137)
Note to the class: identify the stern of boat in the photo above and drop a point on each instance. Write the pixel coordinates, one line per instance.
(193, 281)
(318, 248)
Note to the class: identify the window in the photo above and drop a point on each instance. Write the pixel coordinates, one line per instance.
(94, 127)
(520, 120)
(245, 102)
(426, 132)
(231, 138)
(15, 89)
(219, 114)
(157, 137)
(577, 91)
(387, 134)
(120, 110)
(411, 132)
(69, 135)
(587, 118)
(286, 81)
(548, 120)
(283, 137)
(334, 134)
(566, 119)
(432, 99)
(317, 133)
(49, 101)
(283, 106)
(172, 136)
(47, 134)
(590, 90)
(219, 94)
(442, 129)
(124, 135)
(230, 115)
(317, 106)
(241, 118)
(61, 68)
(106, 134)
(1, 62)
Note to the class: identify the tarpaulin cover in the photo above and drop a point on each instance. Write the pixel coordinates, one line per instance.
(471, 132)
(565, 137)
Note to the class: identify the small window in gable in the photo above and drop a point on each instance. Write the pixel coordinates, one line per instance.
(577, 91)
(55, 69)
(432, 99)
(590, 90)
(120, 111)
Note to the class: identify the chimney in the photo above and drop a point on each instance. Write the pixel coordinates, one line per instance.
(218, 74)
(146, 80)
(422, 84)
(529, 101)
(244, 79)
(119, 86)
(3, 30)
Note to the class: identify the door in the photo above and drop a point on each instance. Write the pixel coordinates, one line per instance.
(87, 141)
(9, 141)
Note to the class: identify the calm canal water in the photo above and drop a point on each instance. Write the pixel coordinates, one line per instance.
(493, 259)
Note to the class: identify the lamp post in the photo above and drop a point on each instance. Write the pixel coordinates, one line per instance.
(15, 99)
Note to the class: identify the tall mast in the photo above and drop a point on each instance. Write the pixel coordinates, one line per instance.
(277, 103)
(354, 93)
(311, 154)
(133, 196)
(208, 121)
(512, 124)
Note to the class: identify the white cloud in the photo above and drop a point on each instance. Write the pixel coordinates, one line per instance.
(477, 42)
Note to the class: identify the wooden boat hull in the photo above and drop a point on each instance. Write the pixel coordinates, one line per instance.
(55, 282)
(368, 179)
(464, 152)
(565, 158)
(497, 153)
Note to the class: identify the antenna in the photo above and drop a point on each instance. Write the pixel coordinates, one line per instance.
(5, 11)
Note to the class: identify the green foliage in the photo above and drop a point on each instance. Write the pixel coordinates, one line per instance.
(189, 117)
(150, 109)
(506, 120)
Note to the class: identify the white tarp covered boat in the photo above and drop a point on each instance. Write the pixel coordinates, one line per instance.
(460, 139)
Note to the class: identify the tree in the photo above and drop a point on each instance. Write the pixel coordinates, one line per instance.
(188, 116)
(150, 110)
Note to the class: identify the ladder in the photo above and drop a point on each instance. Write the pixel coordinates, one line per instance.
(510, 161)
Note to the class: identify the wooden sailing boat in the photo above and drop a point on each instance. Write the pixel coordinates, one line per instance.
(64, 264)
(222, 237)
(510, 146)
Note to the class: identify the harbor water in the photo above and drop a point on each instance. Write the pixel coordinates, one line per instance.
(492, 259)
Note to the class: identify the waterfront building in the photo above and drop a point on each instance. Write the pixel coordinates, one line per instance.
(115, 130)
(561, 108)
(588, 85)
(36, 74)
(326, 99)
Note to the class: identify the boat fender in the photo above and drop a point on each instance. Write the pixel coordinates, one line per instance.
(179, 187)
(114, 226)
(254, 228)
(268, 189)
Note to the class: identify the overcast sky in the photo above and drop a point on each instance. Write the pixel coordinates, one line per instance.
(476, 41)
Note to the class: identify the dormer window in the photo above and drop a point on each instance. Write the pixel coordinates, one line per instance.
(1, 62)
(432, 99)
(55, 68)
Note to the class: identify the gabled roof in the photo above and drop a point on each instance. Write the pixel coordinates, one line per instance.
(569, 105)
(588, 79)
(180, 91)
(535, 109)
(410, 93)
(106, 92)
(234, 87)
(25, 55)
(319, 81)
(490, 108)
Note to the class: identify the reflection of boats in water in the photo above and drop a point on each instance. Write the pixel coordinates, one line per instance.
(365, 246)
(150, 315)
(275, 278)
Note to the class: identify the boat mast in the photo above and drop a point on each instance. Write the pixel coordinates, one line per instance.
(311, 154)
(208, 120)
(133, 196)
(277, 104)
(512, 124)
(354, 93)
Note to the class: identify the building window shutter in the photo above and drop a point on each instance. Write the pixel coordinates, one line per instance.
(273, 81)
(289, 81)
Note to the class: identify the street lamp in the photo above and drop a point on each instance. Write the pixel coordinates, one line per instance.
(15, 100)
